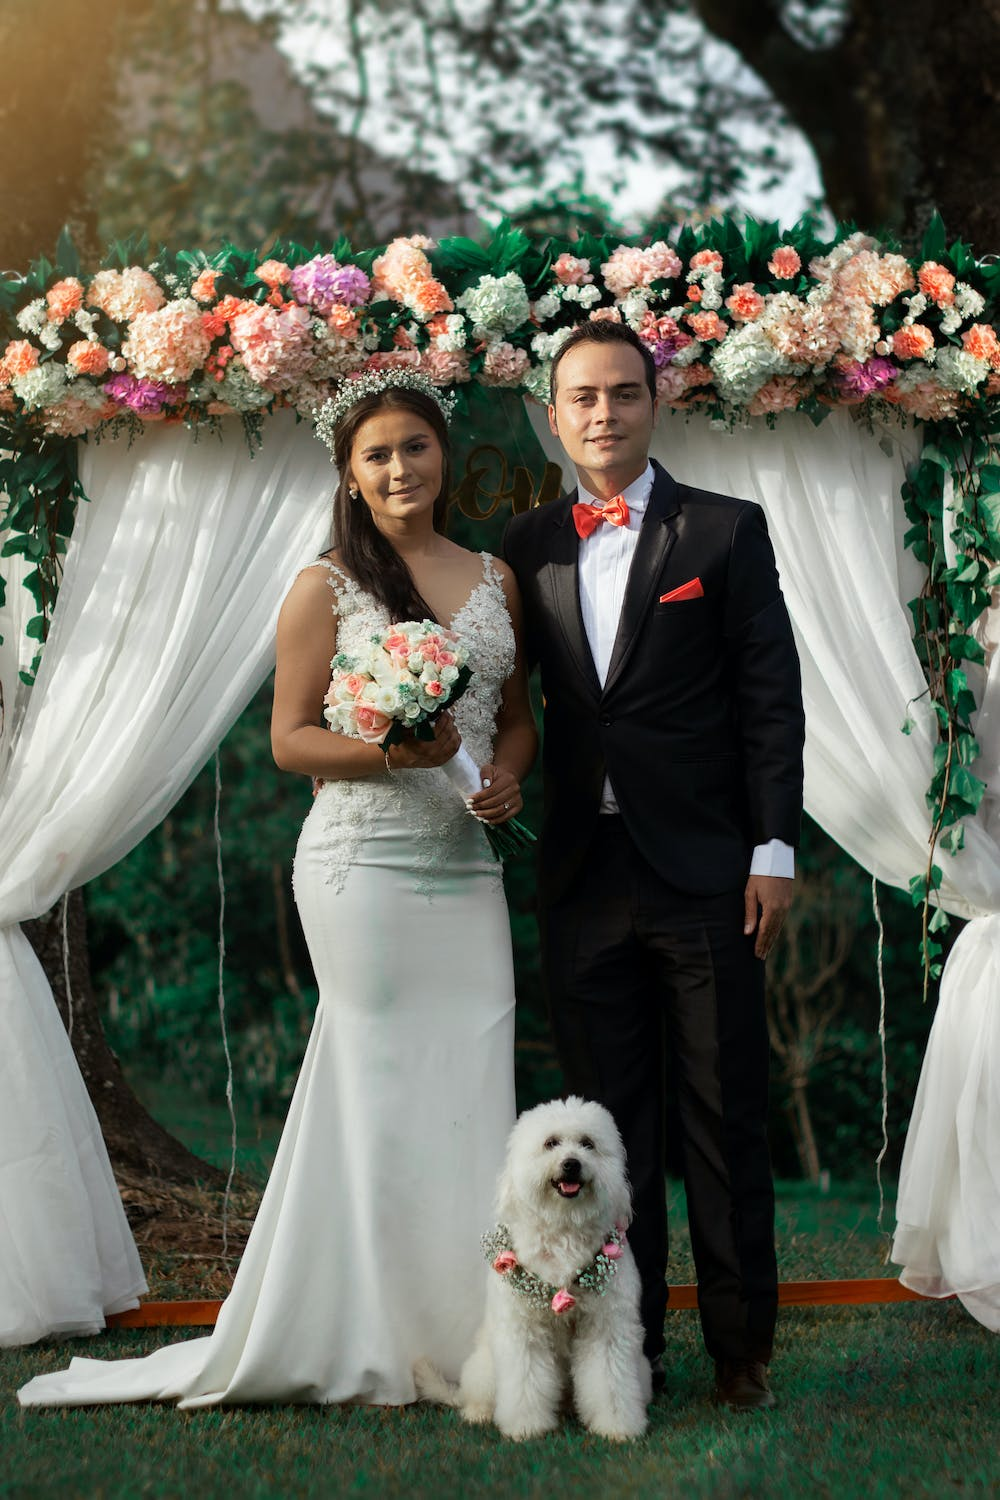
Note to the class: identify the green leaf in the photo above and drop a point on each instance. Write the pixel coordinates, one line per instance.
(940, 921)
(963, 647)
(35, 628)
(935, 239)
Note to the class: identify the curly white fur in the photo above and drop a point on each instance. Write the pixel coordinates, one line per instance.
(526, 1357)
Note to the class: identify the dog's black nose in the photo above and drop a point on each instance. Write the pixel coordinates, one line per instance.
(570, 1170)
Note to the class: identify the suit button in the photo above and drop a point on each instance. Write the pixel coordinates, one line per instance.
(606, 721)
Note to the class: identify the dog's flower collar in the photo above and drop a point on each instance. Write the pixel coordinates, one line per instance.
(595, 1277)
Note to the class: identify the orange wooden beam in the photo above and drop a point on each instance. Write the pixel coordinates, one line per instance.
(877, 1289)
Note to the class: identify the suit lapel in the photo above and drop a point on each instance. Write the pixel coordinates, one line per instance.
(656, 537)
(564, 580)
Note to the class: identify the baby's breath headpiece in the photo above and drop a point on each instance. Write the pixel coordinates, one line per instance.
(354, 388)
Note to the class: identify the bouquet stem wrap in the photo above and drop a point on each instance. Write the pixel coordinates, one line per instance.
(504, 839)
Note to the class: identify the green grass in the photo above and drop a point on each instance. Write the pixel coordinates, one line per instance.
(893, 1401)
(896, 1402)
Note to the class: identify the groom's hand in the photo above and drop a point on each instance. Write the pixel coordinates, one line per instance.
(766, 900)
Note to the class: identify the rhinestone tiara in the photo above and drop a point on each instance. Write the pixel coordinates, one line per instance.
(353, 388)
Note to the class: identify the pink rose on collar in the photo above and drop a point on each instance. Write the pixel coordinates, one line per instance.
(504, 1262)
(562, 1301)
(612, 1250)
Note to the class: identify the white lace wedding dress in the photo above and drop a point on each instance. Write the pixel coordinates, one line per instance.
(365, 1252)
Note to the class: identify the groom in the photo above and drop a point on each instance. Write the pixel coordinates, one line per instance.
(673, 794)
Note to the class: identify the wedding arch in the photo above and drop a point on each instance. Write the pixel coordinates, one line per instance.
(849, 389)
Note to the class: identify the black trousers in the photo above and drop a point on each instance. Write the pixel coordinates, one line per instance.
(632, 967)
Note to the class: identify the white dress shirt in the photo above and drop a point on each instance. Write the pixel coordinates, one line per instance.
(605, 559)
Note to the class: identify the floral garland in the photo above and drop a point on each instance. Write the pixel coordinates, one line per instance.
(596, 1276)
(743, 321)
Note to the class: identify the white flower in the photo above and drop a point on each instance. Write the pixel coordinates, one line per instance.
(86, 321)
(537, 381)
(454, 339)
(546, 307)
(34, 316)
(958, 370)
(951, 320)
(50, 337)
(744, 361)
(42, 386)
(237, 388)
(915, 305)
(690, 354)
(633, 307)
(711, 294)
(496, 304)
(968, 301)
(547, 345)
(588, 294)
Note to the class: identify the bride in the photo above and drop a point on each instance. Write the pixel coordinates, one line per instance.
(364, 1254)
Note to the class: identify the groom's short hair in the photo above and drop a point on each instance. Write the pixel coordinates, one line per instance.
(605, 331)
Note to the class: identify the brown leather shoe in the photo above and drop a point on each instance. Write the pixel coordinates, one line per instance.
(741, 1384)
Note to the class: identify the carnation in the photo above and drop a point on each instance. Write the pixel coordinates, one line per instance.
(169, 344)
(273, 273)
(87, 357)
(64, 298)
(936, 282)
(496, 304)
(571, 270)
(203, 286)
(785, 263)
(504, 364)
(706, 260)
(124, 294)
(605, 315)
(913, 341)
(707, 325)
(745, 302)
(981, 342)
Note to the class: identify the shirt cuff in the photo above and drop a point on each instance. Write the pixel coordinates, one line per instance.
(774, 858)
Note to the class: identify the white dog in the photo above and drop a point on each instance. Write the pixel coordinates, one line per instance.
(562, 1307)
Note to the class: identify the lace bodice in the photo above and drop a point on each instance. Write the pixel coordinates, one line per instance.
(427, 800)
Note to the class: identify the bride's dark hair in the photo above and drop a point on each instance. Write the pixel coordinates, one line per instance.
(368, 555)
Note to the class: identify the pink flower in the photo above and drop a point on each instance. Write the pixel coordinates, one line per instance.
(273, 273)
(433, 689)
(64, 299)
(342, 320)
(504, 364)
(572, 271)
(429, 298)
(693, 292)
(18, 358)
(629, 267)
(912, 341)
(73, 416)
(504, 1262)
(612, 1250)
(277, 347)
(371, 723)
(446, 658)
(745, 302)
(706, 325)
(203, 286)
(780, 393)
(937, 283)
(87, 358)
(605, 315)
(708, 260)
(785, 263)
(444, 366)
(562, 1301)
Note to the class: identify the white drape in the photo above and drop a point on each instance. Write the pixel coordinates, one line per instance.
(163, 631)
(831, 495)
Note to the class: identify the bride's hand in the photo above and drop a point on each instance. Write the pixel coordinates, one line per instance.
(412, 754)
(499, 800)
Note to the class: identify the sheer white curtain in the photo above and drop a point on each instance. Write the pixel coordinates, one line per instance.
(163, 631)
(831, 495)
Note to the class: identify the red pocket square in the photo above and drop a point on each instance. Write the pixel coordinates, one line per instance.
(690, 590)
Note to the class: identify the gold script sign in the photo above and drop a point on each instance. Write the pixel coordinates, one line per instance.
(490, 482)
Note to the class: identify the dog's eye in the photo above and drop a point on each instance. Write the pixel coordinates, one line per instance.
(552, 1143)
(586, 1143)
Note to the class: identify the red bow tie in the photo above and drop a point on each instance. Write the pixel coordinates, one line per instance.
(587, 518)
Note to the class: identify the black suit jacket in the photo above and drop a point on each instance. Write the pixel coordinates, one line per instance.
(699, 725)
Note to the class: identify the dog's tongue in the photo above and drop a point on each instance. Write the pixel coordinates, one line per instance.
(569, 1189)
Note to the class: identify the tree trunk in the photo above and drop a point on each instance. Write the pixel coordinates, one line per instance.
(802, 1129)
(135, 1141)
(901, 111)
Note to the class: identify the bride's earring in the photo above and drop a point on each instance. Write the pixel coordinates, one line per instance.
(352, 490)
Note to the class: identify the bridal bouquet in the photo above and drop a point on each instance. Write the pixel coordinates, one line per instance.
(405, 678)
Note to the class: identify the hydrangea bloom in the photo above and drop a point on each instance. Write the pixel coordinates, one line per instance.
(146, 398)
(504, 364)
(169, 344)
(323, 282)
(496, 304)
(744, 361)
(41, 386)
(277, 346)
(630, 267)
(124, 294)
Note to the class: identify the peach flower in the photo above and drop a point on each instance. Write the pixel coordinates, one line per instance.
(572, 271)
(981, 342)
(745, 302)
(64, 299)
(605, 315)
(342, 320)
(203, 286)
(87, 358)
(273, 273)
(504, 1262)
(445, 366)
(912, 341)
(125, 294)
(780, 393)
(937, 283)
(707, 260)
(707, 325)
(18, 358)
(785, 263)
